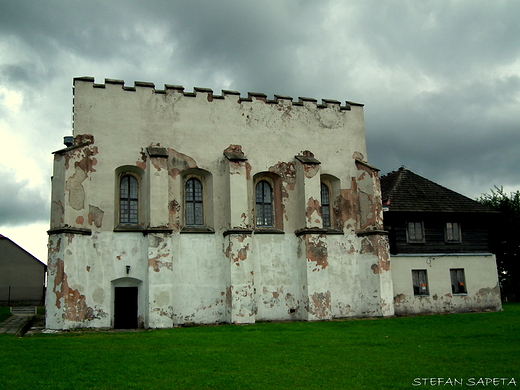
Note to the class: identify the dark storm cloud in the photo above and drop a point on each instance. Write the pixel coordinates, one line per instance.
(20, 204)
(443, 38)
(440, 80)
(467, 137)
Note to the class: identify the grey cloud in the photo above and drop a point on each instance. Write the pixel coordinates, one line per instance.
(19, 203)
(464, 126)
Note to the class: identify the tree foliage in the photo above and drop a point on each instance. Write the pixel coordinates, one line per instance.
(506, 239)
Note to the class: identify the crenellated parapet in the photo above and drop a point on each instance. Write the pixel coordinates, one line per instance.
(225, 94)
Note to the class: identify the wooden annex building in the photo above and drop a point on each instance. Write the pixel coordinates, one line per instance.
(440, 250)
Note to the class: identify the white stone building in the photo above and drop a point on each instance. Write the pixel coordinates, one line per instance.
(173, 207)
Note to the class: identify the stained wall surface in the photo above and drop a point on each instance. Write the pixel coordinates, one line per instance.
(482, 291)
(229, 268)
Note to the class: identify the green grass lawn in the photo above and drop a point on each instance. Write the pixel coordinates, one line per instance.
(354, 354)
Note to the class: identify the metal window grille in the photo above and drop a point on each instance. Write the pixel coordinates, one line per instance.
(264, 204)
(129, 200)
(194, 203)
(325, 206)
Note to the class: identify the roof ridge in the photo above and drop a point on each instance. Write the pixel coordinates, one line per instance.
(409, 191)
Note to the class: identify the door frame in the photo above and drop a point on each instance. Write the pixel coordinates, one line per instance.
(129, 282)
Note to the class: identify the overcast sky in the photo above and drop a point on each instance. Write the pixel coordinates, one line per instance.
(440, 80)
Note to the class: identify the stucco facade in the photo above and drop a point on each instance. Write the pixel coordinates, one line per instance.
(213, 253)
(481, 290)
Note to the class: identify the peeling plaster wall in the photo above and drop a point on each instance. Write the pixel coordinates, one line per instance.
(226, 271)
(483, 292)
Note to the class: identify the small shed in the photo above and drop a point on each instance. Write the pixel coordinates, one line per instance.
(22, 276)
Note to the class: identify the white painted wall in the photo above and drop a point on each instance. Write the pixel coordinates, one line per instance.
(483, 292)
(222, 276)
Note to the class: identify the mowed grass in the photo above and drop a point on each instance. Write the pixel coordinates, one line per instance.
(385, 353)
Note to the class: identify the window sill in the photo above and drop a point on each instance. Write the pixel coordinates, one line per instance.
(85, 232)
(129, 228)
(197, 230)
(237, 231)
(152, 230)
(267, 230)
(362, 233)
(301, 232)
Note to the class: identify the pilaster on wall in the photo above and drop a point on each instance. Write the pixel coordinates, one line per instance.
(242, 285)
(158, 184)
(385, 279)
(159, 277)
(239, 180)
(317, 276)
(58, 192)
(370, 202)
(308, 181)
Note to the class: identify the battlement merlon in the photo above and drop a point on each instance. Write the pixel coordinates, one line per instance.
(226, 94)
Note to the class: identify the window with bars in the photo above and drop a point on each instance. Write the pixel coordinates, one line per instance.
(458, 281)
(415, 232)
(194, 203)
(420, 282)
(452, 232)
(264, 204)
(325, 206)
(129, 200)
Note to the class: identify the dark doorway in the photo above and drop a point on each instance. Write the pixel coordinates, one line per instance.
(125, 308)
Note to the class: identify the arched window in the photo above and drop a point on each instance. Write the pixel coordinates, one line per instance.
(264, 204)
(325, 206)
(194, 203)
(129, 200)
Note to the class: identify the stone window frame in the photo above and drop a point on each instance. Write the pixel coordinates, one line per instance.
(206, 180)
(420, 283)
(333, 185)
(458, 281)
(277, 207)
(137, 174)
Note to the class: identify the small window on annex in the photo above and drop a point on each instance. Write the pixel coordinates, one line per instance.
(415, 232)
(458, 282)
(264, 204)
(452, 232)
(420, 282)
(194, 203)
(325, 206)
(128, 200)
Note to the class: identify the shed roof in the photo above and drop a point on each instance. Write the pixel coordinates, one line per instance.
(404, 190)
(7, 241)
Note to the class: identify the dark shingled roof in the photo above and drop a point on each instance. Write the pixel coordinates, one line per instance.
(404, 190)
